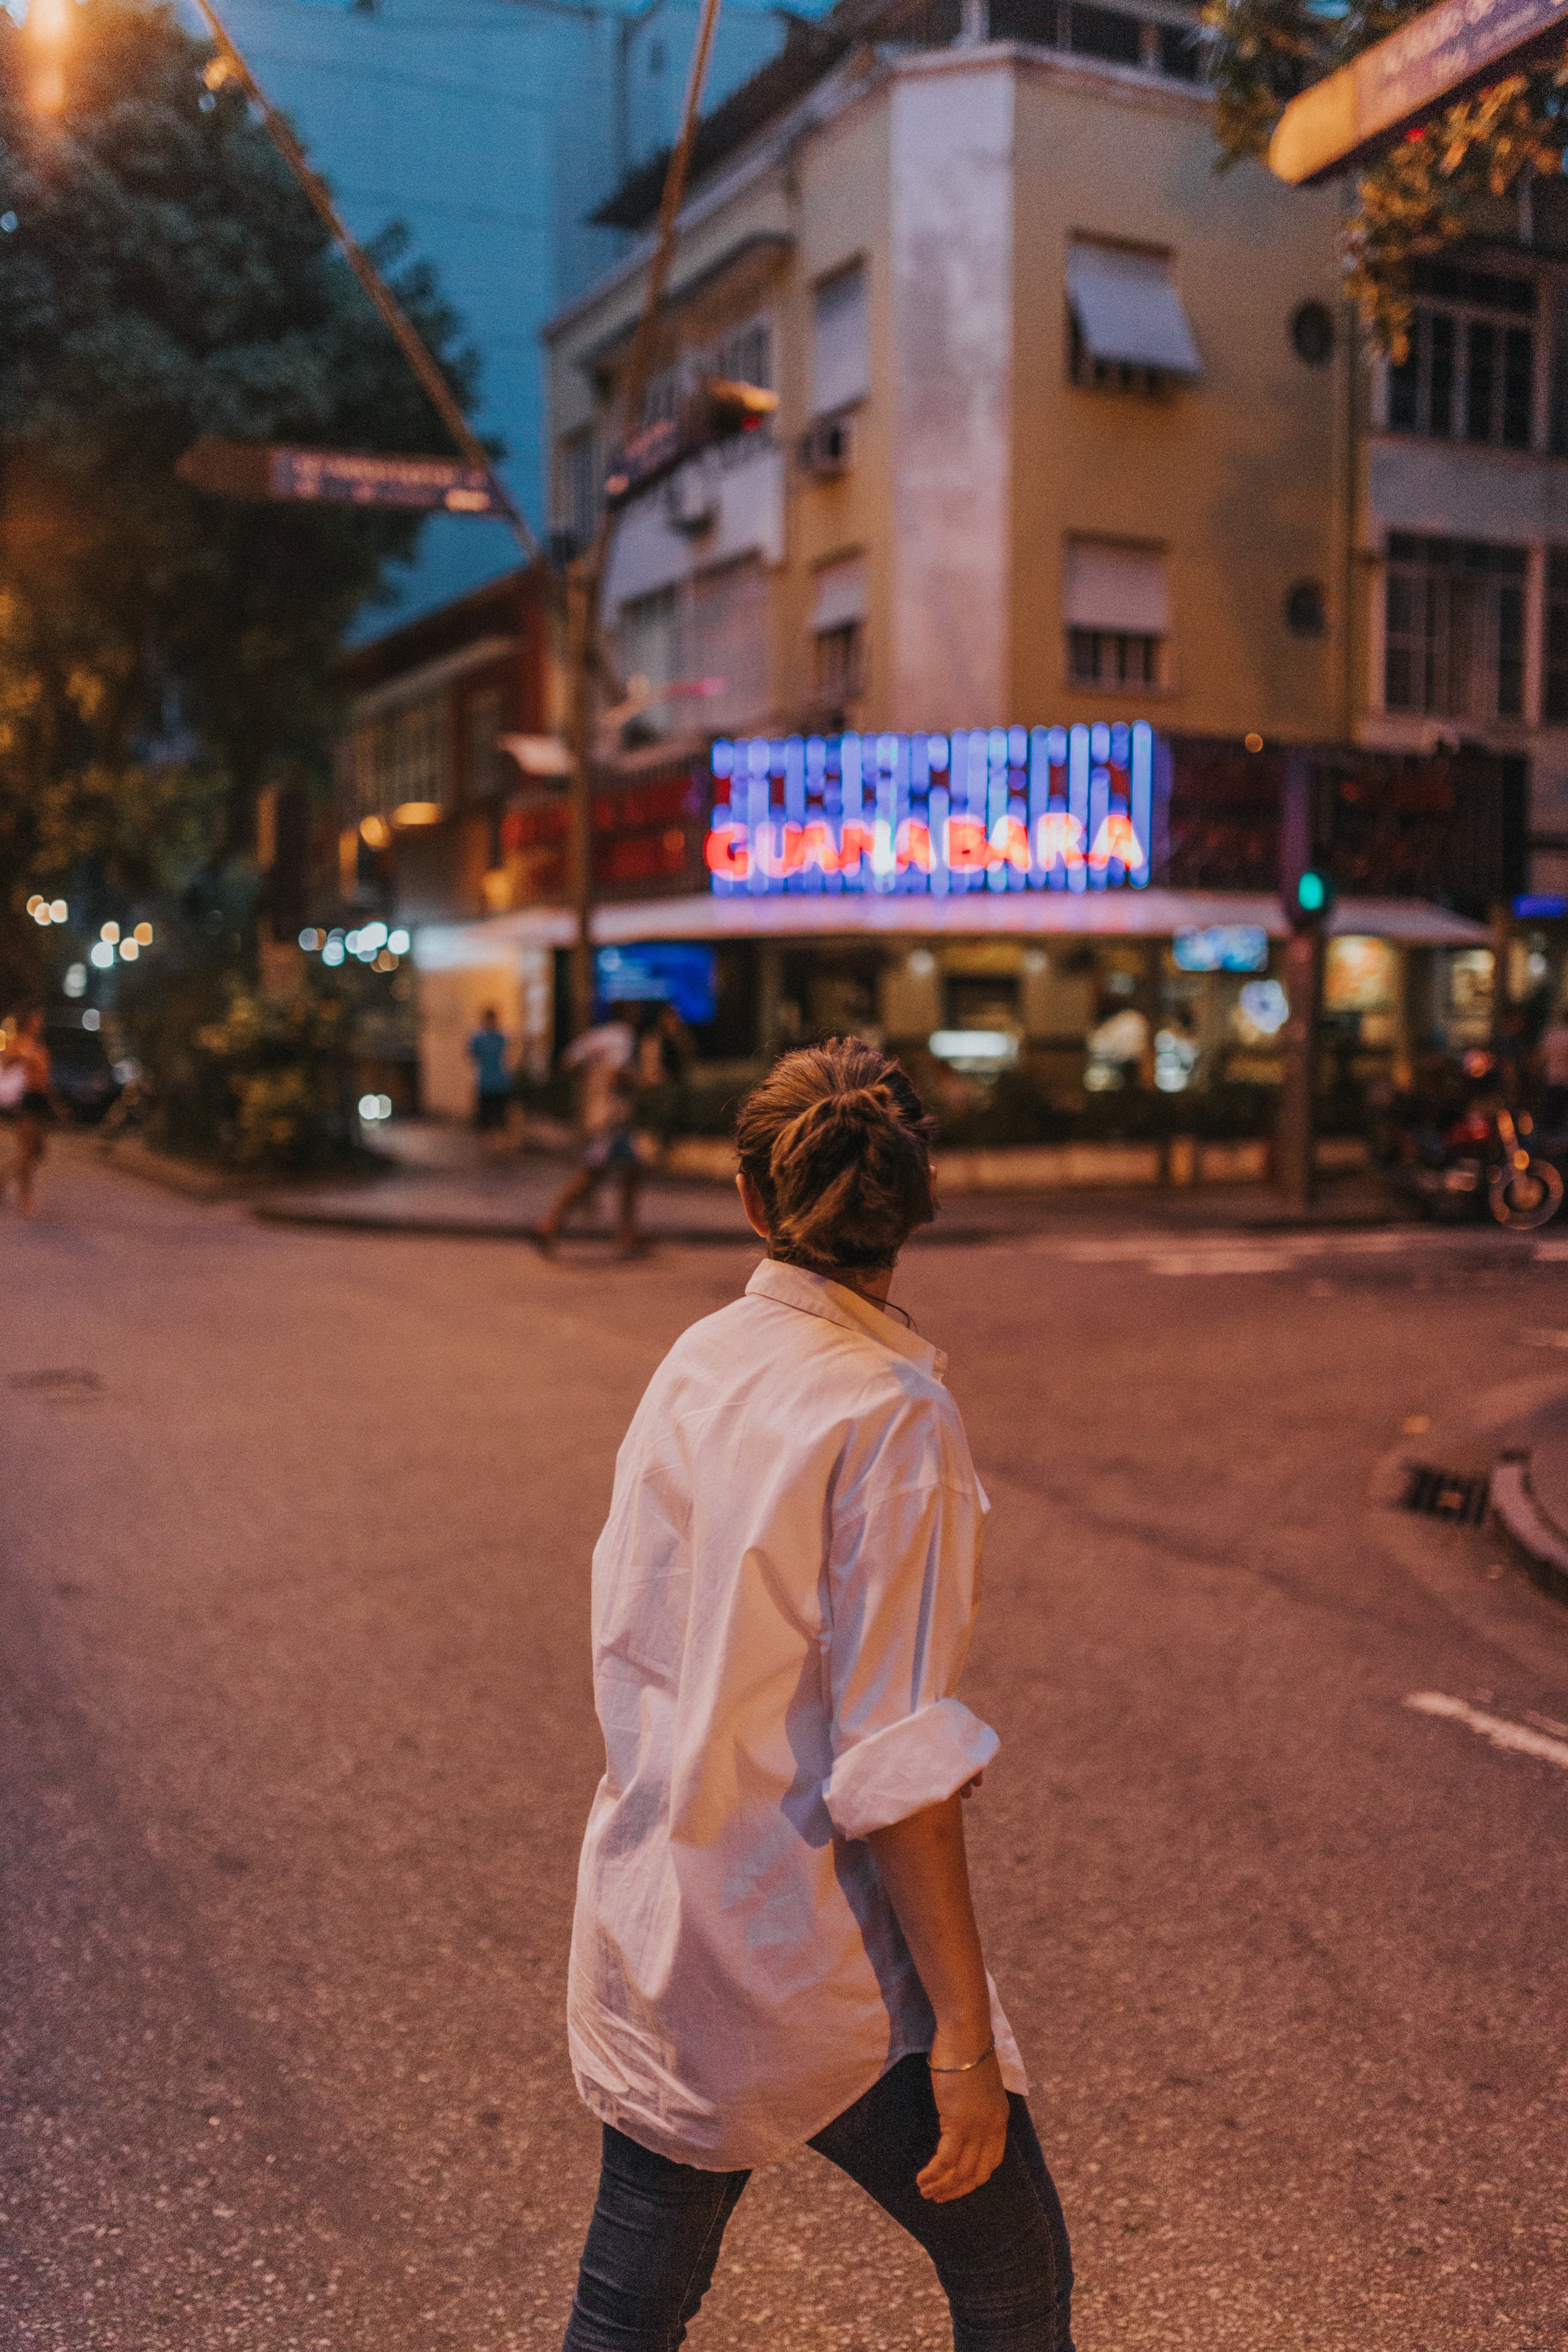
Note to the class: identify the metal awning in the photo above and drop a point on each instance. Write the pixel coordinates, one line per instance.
(1032, 914)
(1127, 311)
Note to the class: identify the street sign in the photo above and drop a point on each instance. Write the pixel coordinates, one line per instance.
(1402, 80)
(267, 470)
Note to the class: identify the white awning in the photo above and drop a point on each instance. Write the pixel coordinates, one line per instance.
(1121, 588)
(840, 594)
(1127, 311)
(1107, 914)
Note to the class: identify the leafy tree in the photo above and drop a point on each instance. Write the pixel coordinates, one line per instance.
(1424, 191)
(163, 654)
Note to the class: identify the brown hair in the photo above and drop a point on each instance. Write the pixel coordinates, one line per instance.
(837, 1143)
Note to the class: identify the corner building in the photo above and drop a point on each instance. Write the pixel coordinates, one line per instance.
(1056, 542)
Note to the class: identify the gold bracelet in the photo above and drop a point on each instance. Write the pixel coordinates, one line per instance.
(989, 2052)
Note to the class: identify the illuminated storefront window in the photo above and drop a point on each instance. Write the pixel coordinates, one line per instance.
(998, 809)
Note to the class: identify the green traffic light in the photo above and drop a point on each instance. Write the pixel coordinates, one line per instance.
(1311, 893)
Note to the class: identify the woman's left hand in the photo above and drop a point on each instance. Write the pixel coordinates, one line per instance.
(973, 2110)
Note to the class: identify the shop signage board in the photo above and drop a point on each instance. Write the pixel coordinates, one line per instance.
(245, 470)
(985, 808)
(1401, 80)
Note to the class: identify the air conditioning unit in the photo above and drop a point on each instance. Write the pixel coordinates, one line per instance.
(828, 448)
(691, 499)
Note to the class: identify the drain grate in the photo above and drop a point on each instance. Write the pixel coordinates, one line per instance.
(1444, 1494)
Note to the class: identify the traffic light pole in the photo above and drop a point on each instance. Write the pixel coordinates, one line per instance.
(1294, 1142)
(1295, 1136)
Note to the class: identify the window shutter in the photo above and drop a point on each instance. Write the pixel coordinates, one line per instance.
(1117, 588)
(1127, 311)
(840, 371)
(841, 592)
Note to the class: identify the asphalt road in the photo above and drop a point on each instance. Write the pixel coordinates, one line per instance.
(298, 1741)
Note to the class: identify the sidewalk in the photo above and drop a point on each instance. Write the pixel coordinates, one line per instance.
(1529, 1490)
(438, 1180)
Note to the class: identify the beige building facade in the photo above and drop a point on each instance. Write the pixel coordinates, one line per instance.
(1071, 426)
(1045, 448)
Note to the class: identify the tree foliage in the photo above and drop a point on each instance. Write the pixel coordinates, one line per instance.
(1423, 193)
(163, 654)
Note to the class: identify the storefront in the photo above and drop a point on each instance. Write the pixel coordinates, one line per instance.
(1003, 902)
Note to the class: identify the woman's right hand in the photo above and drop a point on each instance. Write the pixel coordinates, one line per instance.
(973, 2110)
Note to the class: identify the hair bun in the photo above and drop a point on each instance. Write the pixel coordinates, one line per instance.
(836, 1141)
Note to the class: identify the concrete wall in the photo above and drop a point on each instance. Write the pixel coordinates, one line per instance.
(952, 163)
(1233, 476)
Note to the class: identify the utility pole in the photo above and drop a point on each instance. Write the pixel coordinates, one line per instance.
(1308, 896)
(230, 65)
(586, 658)
(585, 573)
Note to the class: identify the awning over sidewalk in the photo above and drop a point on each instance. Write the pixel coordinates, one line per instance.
(1106, 914)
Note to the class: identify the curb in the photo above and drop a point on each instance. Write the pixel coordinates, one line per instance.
(462, 1229)
(1532, 1531)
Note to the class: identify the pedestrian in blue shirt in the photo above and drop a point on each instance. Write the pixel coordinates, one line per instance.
(487, 1051)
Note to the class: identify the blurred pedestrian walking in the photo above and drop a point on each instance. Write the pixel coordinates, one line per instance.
(487, 1052)
(27, 1074)
(774, 1944)
(606, 1057)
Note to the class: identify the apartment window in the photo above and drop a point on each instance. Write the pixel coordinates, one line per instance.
(838, 629)
(1454, 628)
(400, 757)
(727, 646)
(747, 355)
(650, 645)
(581, 486)
(1469, 374)
(1555, 686)
(484, 761)
(841, 342)
(1128, 330)
(840, 662)
(1116, 607)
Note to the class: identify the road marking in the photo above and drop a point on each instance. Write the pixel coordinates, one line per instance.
(1551, 1253)
(1265, 1252)
(1231, 1261)
(1535, 1336)
(1495, 1727)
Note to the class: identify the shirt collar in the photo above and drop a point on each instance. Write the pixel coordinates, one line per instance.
(814, 1294)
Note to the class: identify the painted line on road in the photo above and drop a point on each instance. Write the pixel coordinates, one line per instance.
(1231, 1261)
(1495, 1727)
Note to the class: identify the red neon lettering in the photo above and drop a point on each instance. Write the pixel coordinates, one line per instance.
(1010, 843)
(857, 841)
(818, 847)
(967, 847)
(726, 852)
(778, 850)
(1058, 840)
(913, 845)
(1116, 839)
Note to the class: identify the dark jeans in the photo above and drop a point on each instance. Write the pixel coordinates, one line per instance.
(1001, 2252)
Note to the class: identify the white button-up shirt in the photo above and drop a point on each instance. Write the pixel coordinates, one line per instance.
(783, 1596)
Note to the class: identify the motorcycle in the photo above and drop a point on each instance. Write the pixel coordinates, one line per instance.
(1482, 1159)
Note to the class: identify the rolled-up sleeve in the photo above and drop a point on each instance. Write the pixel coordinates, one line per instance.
(904, 1586)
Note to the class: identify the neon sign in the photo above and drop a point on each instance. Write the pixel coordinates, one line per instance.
(993, 809)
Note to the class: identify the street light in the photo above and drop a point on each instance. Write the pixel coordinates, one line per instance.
(48, 29)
